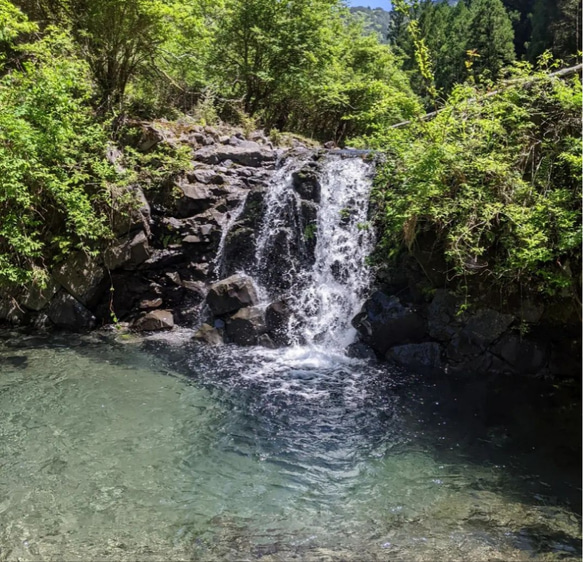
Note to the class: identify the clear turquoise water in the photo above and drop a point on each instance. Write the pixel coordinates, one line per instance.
(160, 450)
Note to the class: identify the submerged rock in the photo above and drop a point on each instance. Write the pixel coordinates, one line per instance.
(231, 294)
(417, 355)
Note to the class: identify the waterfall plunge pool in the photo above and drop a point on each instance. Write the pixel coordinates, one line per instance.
(159, 449)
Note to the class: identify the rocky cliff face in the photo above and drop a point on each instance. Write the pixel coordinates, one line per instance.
(156, 273)
(177, 259)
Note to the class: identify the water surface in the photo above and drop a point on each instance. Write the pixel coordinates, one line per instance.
(162, 450)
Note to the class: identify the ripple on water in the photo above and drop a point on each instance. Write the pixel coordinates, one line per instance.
(177, 453)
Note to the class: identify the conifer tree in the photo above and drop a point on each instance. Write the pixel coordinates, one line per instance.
(491, 36)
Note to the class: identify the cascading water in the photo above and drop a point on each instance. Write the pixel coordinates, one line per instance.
(334, 287)
(324, 238)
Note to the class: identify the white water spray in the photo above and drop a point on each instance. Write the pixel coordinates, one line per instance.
(335, 286)
(328, 292)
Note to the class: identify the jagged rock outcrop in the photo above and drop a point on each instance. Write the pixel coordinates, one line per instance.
(231, 294)
(385, 322)
(164, 256)
(445, 335)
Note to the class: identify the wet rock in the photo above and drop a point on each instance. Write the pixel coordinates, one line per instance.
(198, 288)
(246, 326)
(154, 321)
(479, 332)
(265, 341)
(198, 271)
(307, 185)
(128, 253)
(486, 326)
(531, 311)
(359, 350)
(247, 153)
(426, 355)
(231, 294)
(209, 335)
(239, 250)
(150, 303)
(82, 277)
(524, 356)
(277, 317)
(65, 311)
(384, 323)
(565, 359)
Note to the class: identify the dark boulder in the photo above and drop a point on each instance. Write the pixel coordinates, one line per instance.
(480, 330)
(65, 311)
(239, 250)
(131, 210)
(37, 297)
(206, 176)
(246, 326)
(444, 316)
(231, 294)
(195, 198)
(154, 321)
(426, 355)
(487, 325)
(359, 350)
(384, 322)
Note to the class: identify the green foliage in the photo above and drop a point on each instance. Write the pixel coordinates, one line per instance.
(53, 174)
(308, 67)
(13, 26)
(495, 184)
(491, 36)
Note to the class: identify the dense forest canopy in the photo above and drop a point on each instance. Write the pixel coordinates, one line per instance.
(72, 72)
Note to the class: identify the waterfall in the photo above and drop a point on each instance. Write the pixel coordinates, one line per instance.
(334, 287)
(312, 247)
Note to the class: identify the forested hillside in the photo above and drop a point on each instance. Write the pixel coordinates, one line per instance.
(496, 177)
